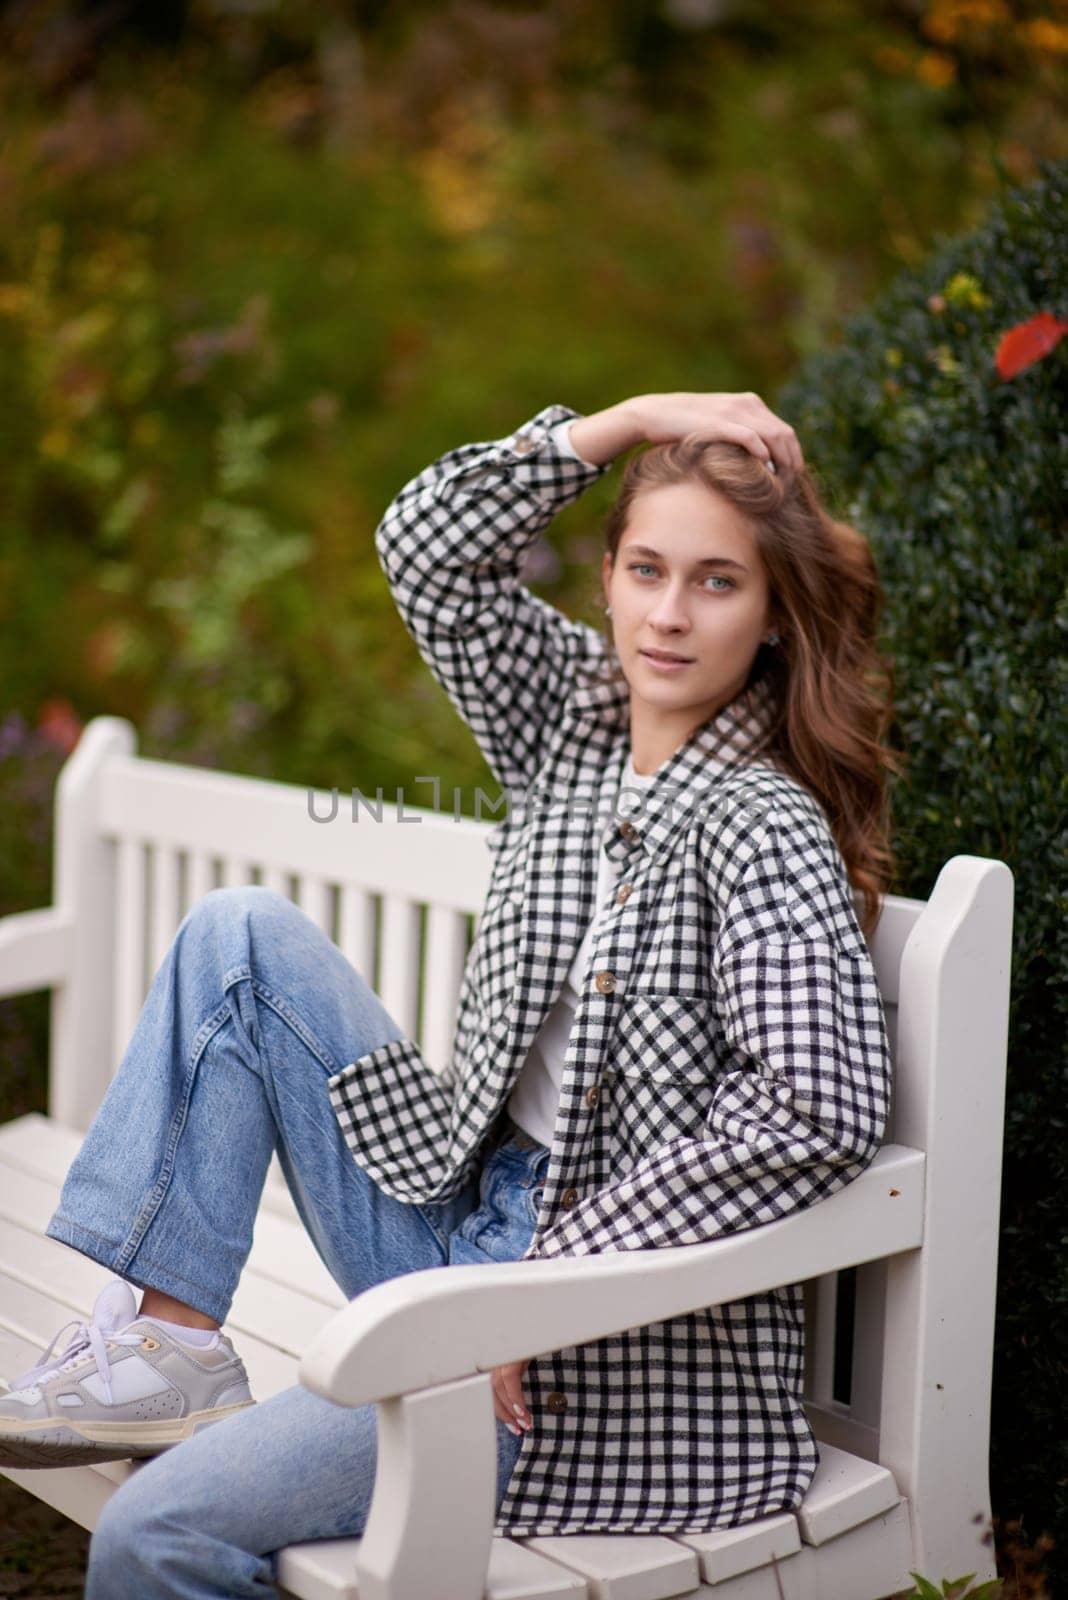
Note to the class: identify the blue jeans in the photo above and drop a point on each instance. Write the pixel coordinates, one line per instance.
(253, 1007)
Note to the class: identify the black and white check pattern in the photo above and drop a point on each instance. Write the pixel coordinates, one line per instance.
(731, 1021)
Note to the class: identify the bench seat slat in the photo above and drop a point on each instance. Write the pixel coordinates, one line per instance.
(80, 1493)
(624, 1566)
(35, 1142)
(323, 1570)
(518, 1572)
(845, 1492)
(17, 1354)
(729, 1552)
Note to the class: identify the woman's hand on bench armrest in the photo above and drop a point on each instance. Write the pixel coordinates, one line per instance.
(509, 1401)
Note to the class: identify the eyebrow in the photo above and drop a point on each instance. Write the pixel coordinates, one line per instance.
(709, 561)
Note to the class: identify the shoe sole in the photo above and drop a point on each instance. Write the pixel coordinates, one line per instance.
(45, 1443)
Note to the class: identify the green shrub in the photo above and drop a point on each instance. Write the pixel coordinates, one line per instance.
(959, 476)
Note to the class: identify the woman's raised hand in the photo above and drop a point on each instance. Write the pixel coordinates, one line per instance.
(658, 418)
(740, 418)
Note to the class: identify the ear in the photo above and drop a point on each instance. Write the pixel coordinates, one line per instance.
(606, 575)
(774, 620)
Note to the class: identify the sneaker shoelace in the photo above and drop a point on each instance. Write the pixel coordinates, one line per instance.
(90, 1336)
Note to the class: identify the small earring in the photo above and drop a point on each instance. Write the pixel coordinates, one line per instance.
(773, 638)
(608, 611)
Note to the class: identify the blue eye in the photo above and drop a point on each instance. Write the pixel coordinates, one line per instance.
(635, 566)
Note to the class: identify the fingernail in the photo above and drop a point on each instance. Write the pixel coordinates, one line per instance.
(517, 1408)
(517, 1431)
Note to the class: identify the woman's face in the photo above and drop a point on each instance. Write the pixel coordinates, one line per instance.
(688, 580)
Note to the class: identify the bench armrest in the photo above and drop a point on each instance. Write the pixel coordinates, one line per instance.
(422, 1347)
(377, 1346)
(35, 950)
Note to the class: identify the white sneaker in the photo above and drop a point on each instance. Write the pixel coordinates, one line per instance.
(123, 1387)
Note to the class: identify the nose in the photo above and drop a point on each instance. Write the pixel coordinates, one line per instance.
(669, 611)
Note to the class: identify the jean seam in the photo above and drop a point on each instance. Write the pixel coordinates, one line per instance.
(144, 1269)
(292, 1018)
(114, 1245)
(203, 1038)
(205, 1035)
(441, 1238)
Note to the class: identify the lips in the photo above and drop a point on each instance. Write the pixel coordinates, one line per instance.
(664, 655)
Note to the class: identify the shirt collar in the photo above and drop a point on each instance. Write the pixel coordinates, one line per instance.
(733, 736)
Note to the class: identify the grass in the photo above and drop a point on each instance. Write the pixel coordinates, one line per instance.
(42, 1553)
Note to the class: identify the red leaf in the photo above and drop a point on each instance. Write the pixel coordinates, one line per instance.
(1028, 342)
(60, 724)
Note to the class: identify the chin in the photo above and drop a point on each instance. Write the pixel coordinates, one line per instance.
(662, 699)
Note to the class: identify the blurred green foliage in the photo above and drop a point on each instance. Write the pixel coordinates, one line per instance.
(259, 265)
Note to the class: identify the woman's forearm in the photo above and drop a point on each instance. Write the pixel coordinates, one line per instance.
(603, 435)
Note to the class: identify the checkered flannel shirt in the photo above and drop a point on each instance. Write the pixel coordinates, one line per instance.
(728, 1063)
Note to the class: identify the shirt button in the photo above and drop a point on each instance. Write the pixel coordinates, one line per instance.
(593, 1094)
(628, 830)
(556, 1401)
(568, 1198)
(624, 892)
(523, 445)
(605, 982)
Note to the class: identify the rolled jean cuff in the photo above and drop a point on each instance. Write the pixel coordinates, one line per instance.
(144, 1275)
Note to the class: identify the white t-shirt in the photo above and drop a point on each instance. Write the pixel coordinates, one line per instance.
(535, 1095)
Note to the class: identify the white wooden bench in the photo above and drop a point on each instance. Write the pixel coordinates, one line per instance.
(898, 1369)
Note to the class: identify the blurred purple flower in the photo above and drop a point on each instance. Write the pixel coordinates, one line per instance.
(542, 564)
(13, 731)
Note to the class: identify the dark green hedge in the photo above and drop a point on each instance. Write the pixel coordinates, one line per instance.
(958, 476)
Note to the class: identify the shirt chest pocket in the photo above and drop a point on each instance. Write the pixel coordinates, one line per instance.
(665, 1038)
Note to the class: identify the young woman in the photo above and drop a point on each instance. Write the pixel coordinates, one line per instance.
(669, 1027)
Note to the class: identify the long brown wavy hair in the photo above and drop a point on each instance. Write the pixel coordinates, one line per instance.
(831, 690)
